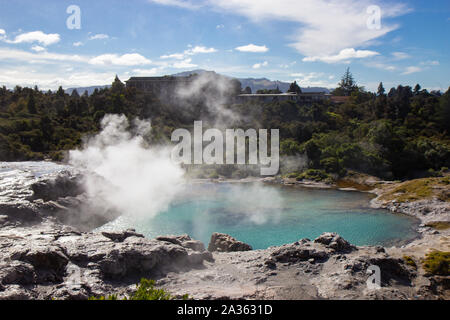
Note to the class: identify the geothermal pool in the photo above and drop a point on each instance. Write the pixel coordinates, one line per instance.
(268, 215)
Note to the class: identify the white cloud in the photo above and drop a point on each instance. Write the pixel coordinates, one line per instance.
(78, 44)
(36, 36)
(220, 26)
(199, 49)
(99, 36)
(178, 56)
(38, 48)
(189, 52)
(314, 79)
(411, 70)
(259, 65)
(43, 57)
(177, 3)
(382, 66)
(430, 63)
(252, 48)
(146, 72)
(2, 32)
(401, 55)
(325, 27)
(185, 64)
(53, 79)
(130, 59)
(343, 56)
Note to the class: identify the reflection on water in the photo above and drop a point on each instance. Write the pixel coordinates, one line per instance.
(265, 215)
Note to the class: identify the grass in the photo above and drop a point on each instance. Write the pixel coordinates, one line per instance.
(420, 189)
(145, 291)
(437, 262)
(409, 261)
(439, 225)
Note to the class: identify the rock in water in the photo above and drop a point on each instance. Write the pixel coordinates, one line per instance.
(224, 243)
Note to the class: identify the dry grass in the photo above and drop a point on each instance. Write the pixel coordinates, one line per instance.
(419, 189)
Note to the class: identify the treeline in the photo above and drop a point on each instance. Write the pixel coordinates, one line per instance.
(403, 133)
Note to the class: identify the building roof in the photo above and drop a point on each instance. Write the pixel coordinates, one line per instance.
(158, 79)
(268, 95)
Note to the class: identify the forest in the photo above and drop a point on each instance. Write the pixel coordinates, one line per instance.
(402, 133)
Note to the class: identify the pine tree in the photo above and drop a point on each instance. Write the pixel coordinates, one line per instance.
(381, 89)
(347, 85)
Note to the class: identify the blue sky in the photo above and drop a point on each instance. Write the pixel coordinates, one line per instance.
(311, 41)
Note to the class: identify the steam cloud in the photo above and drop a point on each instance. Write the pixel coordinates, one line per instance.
(136, 180)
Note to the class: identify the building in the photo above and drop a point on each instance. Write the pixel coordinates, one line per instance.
(266, 98)
(161, 86)
(304, 98)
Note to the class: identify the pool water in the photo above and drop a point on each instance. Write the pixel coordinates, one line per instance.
(267, 215)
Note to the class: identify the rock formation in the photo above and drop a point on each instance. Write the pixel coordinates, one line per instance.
(224, 243)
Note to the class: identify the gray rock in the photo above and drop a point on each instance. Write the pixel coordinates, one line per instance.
(121, 236)
(224, 243)
(295, 253)
(335, 242)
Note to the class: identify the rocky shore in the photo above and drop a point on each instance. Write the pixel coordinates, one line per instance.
(49, 252)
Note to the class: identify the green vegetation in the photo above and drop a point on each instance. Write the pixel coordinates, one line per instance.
(419, 189)
(410, 262)
(145, 291)
(437, 263)
(439, 225)
(402, 134)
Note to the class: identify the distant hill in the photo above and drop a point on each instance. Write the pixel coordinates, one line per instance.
(254, 84)
(90, 90)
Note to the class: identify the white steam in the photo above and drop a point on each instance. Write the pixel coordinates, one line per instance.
(256, 203)
(214, 91)
(127, 175)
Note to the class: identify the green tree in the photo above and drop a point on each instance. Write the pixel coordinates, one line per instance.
(381, 90)
(347, 85)
(31, 105)
(294, 88)
(417, 89)
(60, 92)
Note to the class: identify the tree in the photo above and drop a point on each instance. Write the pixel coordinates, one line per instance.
(417, 89)
(248, 90)
(118, 86)
(295, 88)
(347, 85)
(31, 105)
(75, 94)
(60, 92)
(381, 89)
(443, 114)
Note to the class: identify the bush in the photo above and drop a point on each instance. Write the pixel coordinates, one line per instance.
(145, 291)
(437, 263)
(410, 262)
(315, 175)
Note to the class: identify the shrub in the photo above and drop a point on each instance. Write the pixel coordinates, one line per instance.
(410, 262)
(437, 262)
(315, 175)
(145, 291)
